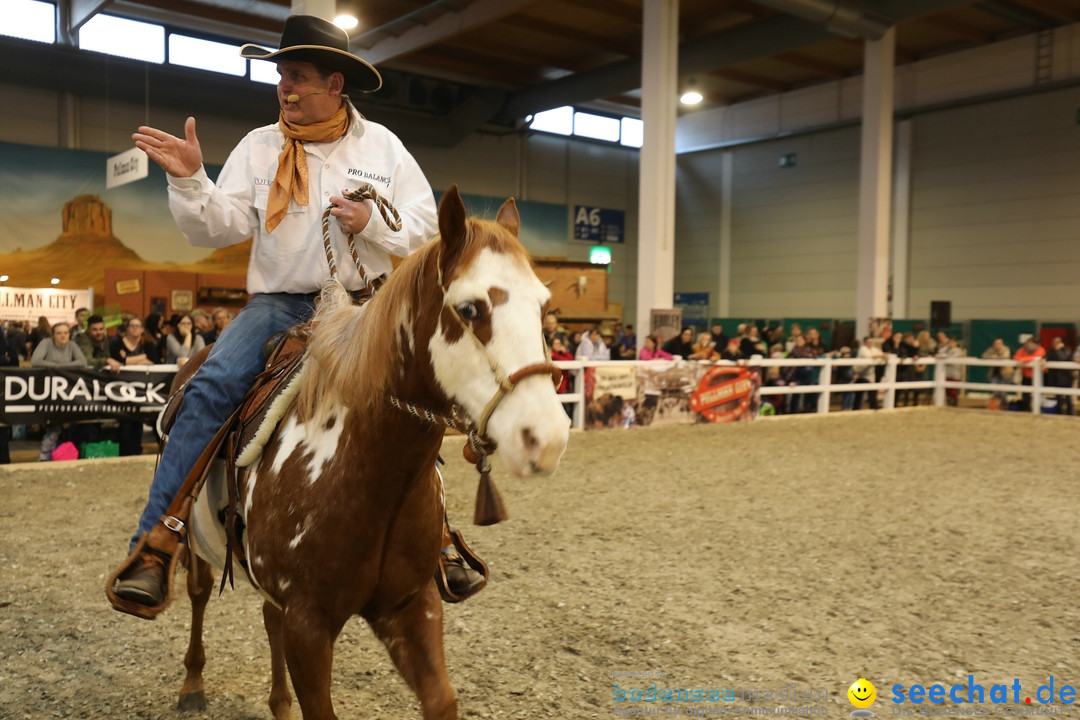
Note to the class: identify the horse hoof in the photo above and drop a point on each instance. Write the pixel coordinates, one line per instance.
(193, 702)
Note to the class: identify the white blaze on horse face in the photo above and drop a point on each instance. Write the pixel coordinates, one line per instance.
(529, 424)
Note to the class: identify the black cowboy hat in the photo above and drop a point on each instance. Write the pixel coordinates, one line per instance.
(307, 38)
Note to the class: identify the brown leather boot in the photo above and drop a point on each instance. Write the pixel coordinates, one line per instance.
(460, 578)
(145, 582)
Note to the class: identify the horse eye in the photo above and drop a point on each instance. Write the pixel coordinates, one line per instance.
(468, 311)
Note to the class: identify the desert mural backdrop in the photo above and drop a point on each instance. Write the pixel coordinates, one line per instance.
(59, 220)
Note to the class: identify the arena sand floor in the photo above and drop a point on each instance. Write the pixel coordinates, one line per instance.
(915, 547)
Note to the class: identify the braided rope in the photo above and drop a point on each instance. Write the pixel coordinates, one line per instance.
(481, 446)
(424, 414)
(389, 214)
(330, 261)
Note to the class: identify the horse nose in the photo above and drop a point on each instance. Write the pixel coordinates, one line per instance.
(529, 441)
(543, 457)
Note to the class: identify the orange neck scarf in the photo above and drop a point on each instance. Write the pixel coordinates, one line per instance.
(291, 180)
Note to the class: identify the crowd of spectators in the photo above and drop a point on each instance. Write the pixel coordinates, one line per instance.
(86, 343)
(600, 342)
(154, 340)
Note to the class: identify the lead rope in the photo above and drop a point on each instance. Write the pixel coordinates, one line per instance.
(481, 446)
(389, 214)
(489, 508)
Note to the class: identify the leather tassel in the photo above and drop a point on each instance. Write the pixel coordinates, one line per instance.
(230, 535)
(489, 504)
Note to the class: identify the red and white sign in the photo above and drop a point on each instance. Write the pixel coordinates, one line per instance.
(724, 393)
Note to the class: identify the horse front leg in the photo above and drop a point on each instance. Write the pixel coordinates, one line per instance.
(199, 582)
(308, 641)
(280, 698)
(414, 637)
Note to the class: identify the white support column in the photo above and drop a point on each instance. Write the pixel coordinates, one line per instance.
(727, 175)
(656, 187)
(901, 219)
(326, 9)
(875, 171)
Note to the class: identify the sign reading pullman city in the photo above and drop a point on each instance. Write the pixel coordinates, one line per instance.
(57, 304)
(35, 395)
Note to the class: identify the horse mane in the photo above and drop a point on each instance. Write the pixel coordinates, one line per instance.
(354, 346)
(356, 349)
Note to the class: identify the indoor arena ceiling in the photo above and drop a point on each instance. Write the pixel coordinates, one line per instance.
(471, 63)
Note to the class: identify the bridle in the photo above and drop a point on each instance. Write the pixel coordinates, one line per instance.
(479, 445)
(483, 445)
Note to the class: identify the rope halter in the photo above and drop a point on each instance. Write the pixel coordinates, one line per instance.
(479, 445)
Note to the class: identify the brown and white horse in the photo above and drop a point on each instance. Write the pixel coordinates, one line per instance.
(343, 511)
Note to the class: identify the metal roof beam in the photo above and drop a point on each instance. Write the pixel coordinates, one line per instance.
(476, 15)
(83, 10)
(1017, 13)
(838, 16)
(718, 50)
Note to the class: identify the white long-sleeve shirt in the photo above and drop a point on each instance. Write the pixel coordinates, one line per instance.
(291, 258)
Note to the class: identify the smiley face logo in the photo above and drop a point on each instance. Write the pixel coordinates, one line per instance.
(862, 693)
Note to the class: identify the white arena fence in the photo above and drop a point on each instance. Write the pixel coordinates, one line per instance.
(825, 388)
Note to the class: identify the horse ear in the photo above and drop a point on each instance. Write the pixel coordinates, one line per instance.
(508, 217)
(452, 220)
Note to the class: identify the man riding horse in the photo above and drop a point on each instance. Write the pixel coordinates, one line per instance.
(273, 188)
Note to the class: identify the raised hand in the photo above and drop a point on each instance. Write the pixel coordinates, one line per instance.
(179, 158)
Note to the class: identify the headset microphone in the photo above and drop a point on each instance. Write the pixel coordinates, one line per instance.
(296, 98)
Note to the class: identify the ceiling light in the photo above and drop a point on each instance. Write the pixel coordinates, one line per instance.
(3, 278)
(55, 281)
(691, 97)
(346, 21)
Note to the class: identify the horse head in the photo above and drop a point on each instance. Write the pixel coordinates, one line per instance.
(487, 352)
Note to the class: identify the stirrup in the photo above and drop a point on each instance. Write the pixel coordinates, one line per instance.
(164, 537)
(471, 560)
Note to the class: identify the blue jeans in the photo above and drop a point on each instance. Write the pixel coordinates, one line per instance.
(217, 389)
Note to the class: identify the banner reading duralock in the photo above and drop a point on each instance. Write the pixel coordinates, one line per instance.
(35, 395)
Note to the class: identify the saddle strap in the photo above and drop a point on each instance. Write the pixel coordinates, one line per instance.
(283, 362)
(180, 509)
(168, 538)
(232, 545)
